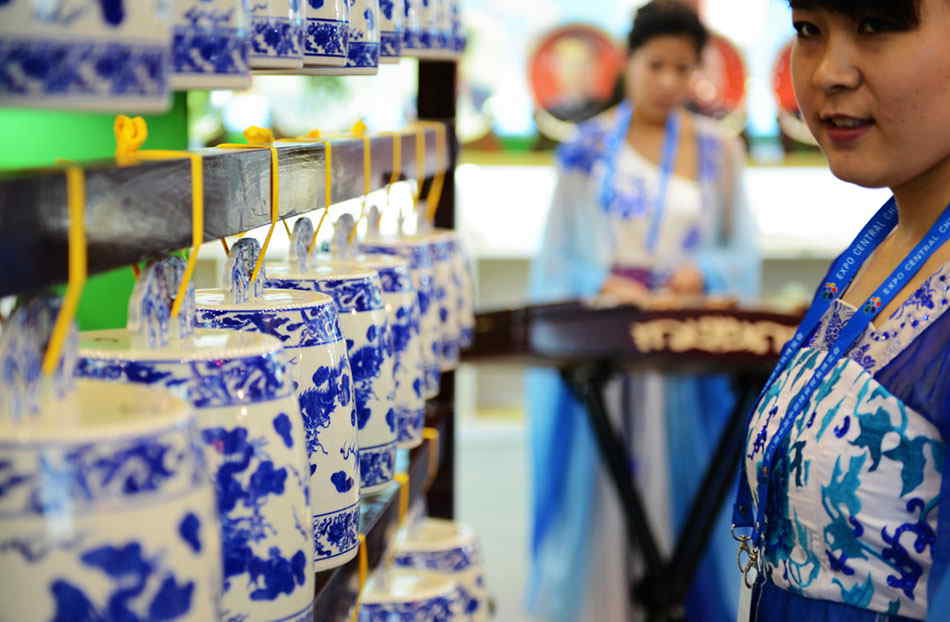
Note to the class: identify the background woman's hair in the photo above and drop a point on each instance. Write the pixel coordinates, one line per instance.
(667, 18)
(902, 13)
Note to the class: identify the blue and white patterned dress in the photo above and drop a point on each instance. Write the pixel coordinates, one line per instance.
(859, 534)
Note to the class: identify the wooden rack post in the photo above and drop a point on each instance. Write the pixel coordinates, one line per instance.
(438, 88)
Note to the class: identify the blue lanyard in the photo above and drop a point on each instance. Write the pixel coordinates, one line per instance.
(615, 141)
(837, 281)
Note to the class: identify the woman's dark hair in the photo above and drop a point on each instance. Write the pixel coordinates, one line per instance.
(902, 13)
(667, 18)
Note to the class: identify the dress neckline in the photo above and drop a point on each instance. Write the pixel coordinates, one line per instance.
(630, 151)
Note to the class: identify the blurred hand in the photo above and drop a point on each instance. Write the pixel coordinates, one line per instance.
(625, 290)
(687, 281)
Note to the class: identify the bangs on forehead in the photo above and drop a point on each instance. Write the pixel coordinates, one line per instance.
(903, 12)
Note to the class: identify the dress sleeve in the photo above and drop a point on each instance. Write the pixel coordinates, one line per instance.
(574, 257)
(730, 258)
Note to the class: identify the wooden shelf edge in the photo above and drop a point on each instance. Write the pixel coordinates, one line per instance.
(137, 211)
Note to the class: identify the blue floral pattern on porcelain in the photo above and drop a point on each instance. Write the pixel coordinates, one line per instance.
(441, 609)
(142, 589)
(104, 70)
(151, 303)
(211, 40)
(326, 38)
(369, 349)
(276, 35)
(238, 270)
(351, 295)
(395, 279)
(449, 561)
(421, 269)
(377, 464)
(60, 480)
(411, 424)
(364, 35)
(324, 394)
(206, 384)
(245, 480)
(85, 54)
(295, 328)
(337, 534)
(390, 44)
(23, 345)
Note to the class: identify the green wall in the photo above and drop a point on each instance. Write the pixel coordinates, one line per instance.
(33, 138)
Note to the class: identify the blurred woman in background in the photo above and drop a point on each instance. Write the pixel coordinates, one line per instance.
(649, 208)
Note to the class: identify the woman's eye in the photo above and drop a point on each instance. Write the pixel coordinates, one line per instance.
(805, 30)
(874, 26)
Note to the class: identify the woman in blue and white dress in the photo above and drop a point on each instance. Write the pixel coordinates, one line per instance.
(649, 203)
(840, 513)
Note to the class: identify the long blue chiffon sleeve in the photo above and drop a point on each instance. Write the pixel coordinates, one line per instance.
(573, 259)
(573, 262)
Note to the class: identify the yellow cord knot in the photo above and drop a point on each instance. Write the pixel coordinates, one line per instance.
(258, 135)
(359, 129)
(130, 135)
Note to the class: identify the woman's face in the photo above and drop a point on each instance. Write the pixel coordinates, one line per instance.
(660, 75)
(875, 94)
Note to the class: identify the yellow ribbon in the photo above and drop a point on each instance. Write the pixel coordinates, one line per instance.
(438, 184)
(76, 207)
(359, 131)
(363, 575)
(397, 157)
(263, 138)
(314, 136)
(130, 135)
(396, 173)
(432, 435)
(404, 490)
(328, 192)
(420, 159)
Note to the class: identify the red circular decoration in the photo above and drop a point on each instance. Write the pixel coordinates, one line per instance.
(721, 85)
(782, 84)
(577, 61)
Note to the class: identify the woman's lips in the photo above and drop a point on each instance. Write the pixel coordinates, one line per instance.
(845, 131)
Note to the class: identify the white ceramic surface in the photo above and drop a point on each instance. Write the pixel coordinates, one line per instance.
(358, 296)
(391, 30)
(465, 281)
(254, 446)
(450, 549)
(419, 256)
(410, 595)
(431, 39)
(326, 32)
(364, 41)
(411, 26)
(307, 325)
(458, 41)
(108, 56)
(276, 34)
(105, 503)
(405, 329)
(446, 293)
(210, 45)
